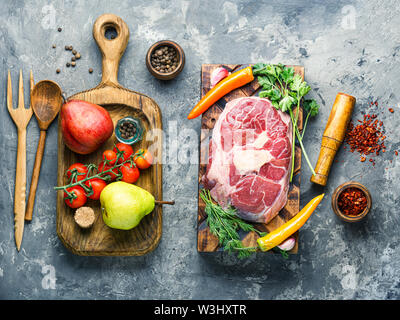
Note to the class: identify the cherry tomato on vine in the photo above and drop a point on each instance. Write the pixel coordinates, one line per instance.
(97, 185)
(130, 173)
(79, 197)
(126, 148)
(143, 159)
(110, 156)
(104, 167)
(80, 169)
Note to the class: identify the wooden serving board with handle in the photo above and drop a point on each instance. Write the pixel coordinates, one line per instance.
(206, 241)
(100, 240)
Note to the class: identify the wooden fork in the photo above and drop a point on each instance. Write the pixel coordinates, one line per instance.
(21, 117)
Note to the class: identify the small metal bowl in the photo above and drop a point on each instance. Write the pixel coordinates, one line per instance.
(181, 60)
(138, 134)
(339, 190)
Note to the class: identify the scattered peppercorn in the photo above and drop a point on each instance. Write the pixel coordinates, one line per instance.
(53, 46)
(74, 52)
(73, 59)
(164, 59)
(352, 201)
(78, 55)
(73, 63)
(58, 71)
(68, 64)
(59, 29)
(90, 70)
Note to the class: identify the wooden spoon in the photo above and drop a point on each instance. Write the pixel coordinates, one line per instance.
(46, 100)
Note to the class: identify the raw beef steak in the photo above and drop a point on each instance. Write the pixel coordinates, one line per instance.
(249, 158)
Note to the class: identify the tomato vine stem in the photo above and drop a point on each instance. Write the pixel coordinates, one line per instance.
(73, 181)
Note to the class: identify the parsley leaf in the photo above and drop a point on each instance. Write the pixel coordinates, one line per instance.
(296, 83)
(258, 69)
(271, 70)
(304, 89)
(311, 107)
(286, 103)
(265, 82)
(272, 94)
(287, 75)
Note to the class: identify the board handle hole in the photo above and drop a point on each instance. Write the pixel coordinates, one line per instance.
(110, 32)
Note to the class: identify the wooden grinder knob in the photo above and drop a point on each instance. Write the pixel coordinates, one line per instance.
(334, 134)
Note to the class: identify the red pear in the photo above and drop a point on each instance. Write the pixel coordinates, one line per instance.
(85, 126)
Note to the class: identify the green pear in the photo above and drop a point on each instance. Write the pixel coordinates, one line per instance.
(124, 205)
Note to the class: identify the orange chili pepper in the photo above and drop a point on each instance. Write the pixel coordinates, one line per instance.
(283, 232)
(230, 83)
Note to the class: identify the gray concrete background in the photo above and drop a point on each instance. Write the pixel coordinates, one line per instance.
(348, 46)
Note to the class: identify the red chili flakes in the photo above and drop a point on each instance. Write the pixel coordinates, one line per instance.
(352, 201)
(367, 137)
(373, 103)
(396, 153)
(391, 110)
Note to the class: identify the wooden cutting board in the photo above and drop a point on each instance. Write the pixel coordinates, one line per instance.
(206, 241)
(100, 240)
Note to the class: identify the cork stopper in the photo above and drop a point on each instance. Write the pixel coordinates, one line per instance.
(84, 217)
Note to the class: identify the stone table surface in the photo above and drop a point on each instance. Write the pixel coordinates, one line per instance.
(348, 46)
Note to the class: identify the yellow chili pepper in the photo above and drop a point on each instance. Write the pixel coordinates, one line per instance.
(280, 234)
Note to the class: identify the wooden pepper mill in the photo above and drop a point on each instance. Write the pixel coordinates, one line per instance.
(333, 136)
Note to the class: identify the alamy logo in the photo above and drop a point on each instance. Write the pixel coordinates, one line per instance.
(49, 20)
(349, 18)
(49, 279)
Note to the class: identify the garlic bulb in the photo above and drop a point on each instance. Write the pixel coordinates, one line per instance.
(288, 244)
(217, 75)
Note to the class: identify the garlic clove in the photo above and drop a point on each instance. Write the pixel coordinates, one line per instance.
(217, 75)
(288, 244)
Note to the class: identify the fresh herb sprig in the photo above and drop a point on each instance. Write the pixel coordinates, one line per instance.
(225, 224)
(285, 90)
